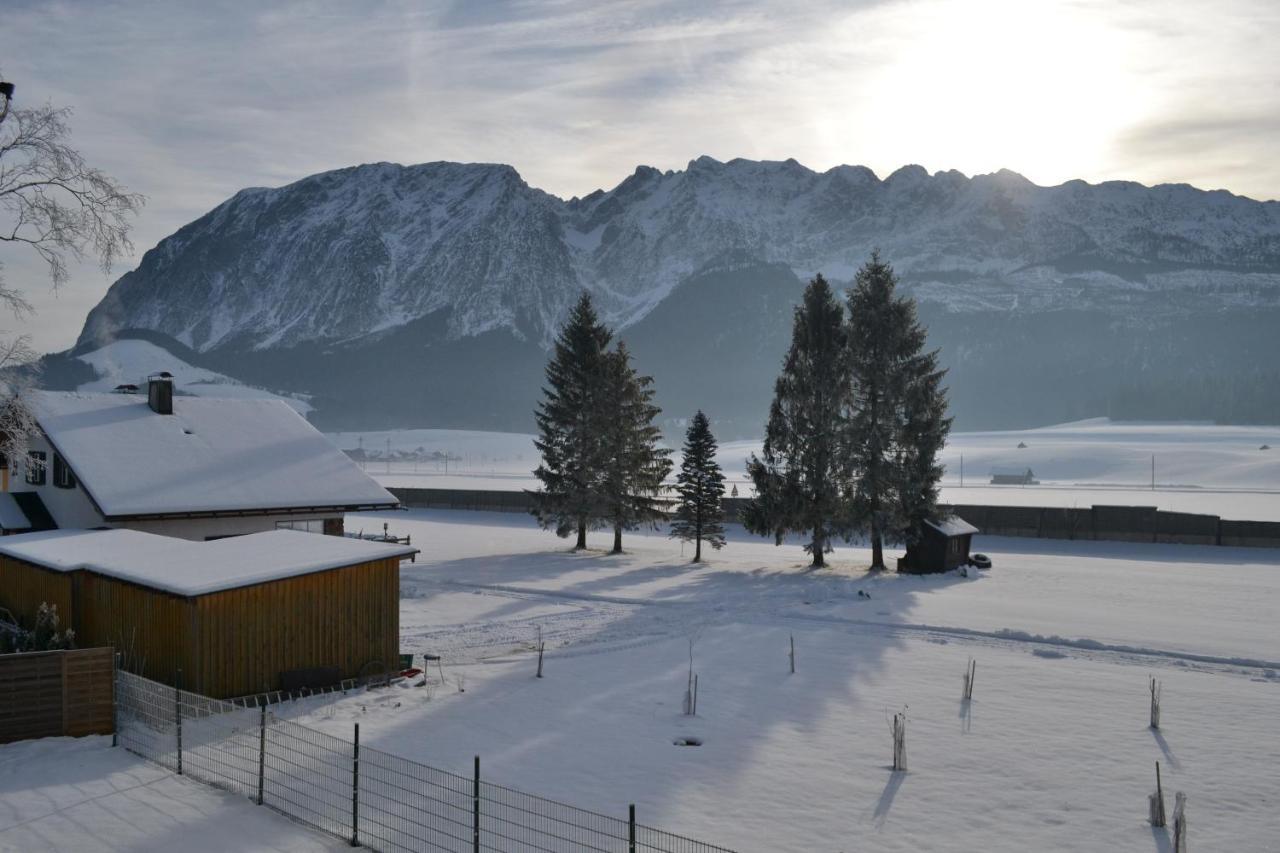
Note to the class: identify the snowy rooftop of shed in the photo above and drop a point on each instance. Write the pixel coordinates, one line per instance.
(953, 526)
(190, 568)
(210, 455)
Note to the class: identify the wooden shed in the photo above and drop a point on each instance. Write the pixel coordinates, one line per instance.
(235, 615)
(944, 545)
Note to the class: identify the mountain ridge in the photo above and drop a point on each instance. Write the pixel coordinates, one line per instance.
(358, 272)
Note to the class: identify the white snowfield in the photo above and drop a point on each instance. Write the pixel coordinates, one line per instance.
(1053, 753)
(79, 794)
(1217, 470)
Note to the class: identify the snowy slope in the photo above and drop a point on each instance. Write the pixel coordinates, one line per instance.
(130, 361)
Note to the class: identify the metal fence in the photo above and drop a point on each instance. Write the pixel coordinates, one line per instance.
(366, 796)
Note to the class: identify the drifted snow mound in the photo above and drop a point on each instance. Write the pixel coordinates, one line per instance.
(129, 362)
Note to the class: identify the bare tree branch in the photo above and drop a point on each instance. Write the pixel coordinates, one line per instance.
(53, 202)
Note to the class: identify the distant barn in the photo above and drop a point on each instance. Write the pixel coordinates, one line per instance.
(944, 545)
(1014, 477)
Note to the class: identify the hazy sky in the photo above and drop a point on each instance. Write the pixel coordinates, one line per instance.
(189, 102)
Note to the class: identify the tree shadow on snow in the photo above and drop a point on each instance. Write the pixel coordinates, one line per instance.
(1169, 757)
(881, 814)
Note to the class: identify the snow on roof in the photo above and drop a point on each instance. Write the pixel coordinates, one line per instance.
(209, 455)
(11, 515)
(953, 526)
(190, 568)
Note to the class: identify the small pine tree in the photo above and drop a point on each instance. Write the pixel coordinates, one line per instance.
(571, 422)
(800, 474)
(699, 516)
(633, 465)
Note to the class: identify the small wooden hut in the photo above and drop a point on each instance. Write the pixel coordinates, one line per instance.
(943, 545)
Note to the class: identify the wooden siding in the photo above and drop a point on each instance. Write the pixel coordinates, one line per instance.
(24, 586)
(346, 617)
(48, 694)
(230, 643)
(150, 628)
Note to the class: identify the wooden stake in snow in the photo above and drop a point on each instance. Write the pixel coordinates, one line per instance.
(1155, 705)
(1180, 823)
(969, 672)
(793, 654)
(541, 647)
(899, 729)
(1156, 802)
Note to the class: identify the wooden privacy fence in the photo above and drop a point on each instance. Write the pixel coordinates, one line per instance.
(49, 694)
(1116, 523)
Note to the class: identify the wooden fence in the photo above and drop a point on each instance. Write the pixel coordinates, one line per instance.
(49, 694)
(1115, 523)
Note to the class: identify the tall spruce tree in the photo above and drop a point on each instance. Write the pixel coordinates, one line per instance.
(800, 476)
(633, 465)
(571, 422)
(897, 422)
(699, 516)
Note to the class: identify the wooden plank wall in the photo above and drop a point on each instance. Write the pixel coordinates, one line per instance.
(49, 694)
(24, 586)
(347, 617)
(151, 629)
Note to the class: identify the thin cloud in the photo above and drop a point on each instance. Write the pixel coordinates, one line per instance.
(190, 102)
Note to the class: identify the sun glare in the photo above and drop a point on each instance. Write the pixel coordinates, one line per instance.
(1042, 88)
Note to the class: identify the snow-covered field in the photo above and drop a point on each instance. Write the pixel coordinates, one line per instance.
(1218, 470)
(1054, 752)
(79, 794)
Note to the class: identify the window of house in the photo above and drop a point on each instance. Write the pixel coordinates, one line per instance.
(35, 468)
(62, 476)
(309, 526)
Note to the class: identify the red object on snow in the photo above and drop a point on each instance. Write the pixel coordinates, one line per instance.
(410, 672)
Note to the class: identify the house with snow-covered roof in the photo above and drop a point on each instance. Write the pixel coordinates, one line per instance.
(191, 467)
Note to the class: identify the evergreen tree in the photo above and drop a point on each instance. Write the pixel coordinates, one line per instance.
(897, 422)
(571, 423)
(700, 483)
(800, 475)
(633, 465)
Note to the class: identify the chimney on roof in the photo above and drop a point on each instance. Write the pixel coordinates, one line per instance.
(160, 392)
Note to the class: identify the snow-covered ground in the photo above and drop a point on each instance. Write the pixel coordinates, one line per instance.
(1054, 753)
(80, 794)
(129, 362)
(1218, 470)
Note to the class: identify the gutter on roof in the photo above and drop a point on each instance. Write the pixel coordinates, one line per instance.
(243, 513)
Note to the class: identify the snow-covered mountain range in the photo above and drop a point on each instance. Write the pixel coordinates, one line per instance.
(357, 251)
(439, 257)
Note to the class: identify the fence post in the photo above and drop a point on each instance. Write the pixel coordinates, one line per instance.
(355, 789)
(177, 714)
(475, 810)
(115, 699)
(262, 750)
(631, 829)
